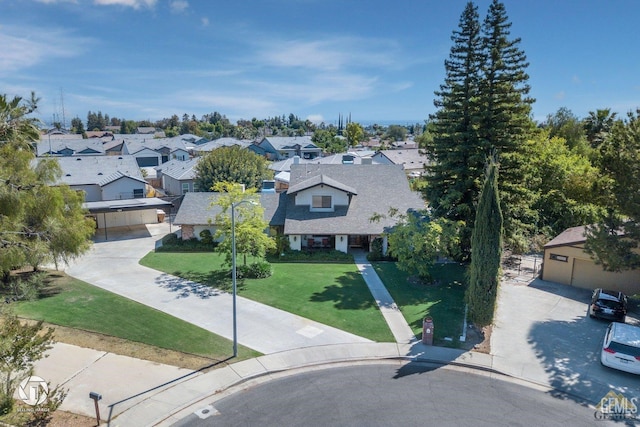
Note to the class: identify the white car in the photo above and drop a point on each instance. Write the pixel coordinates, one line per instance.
(621, 347)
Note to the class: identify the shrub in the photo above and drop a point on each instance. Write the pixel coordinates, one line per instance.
(171, 243)
(314, 256)
(206, 237)
(257, 270)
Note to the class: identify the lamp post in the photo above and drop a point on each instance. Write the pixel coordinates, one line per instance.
(233, 274)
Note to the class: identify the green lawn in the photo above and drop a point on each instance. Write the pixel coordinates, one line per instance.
(331, 293)
(73, 303)
(444, 302)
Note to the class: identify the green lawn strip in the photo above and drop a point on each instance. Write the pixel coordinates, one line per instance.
(76, 304)
(331, 293)
(444, 301)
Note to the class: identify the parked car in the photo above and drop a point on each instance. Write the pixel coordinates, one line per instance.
(621, 348)
(607, 304)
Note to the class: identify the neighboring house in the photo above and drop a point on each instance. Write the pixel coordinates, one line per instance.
(103, 177)
(177, 177)
(156, 151)
(566, 262)
(208, 146)
(69, 147)
(197, 213)
(410, 159)
(114, 189)
(283, 167)
(279, 148)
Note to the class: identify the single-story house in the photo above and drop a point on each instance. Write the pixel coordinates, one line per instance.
(566, 262)
(280, 147)
(411, 160)
(70, 147)
(197, 213)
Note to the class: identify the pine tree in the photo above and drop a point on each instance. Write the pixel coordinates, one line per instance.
(486, 251)
(453, 181)
(505, 124)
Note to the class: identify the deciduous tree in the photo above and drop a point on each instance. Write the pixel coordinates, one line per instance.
(232, 164)
(249, 223)
(615, 241)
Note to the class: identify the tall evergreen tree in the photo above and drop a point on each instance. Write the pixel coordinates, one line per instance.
(505, 124)
(486, 251)
(453, 181)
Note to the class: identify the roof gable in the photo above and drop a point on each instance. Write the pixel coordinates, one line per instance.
(319, 180)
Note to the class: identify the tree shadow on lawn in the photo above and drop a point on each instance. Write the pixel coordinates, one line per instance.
(569, 352)
(202, 285)
(350, 294)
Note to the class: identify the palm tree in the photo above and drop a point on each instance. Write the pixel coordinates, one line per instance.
(15, 126)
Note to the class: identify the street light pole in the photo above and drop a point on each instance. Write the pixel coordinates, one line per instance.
(233, 274)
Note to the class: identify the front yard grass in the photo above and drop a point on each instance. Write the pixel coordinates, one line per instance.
(443, 301)
(69, 302)
(331, 293)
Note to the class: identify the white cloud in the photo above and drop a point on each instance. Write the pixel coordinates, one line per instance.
(26, 47)
(329, 54)
(205, 21)
(179, 6)
(560, 95)
(136, 4)
(315, 118)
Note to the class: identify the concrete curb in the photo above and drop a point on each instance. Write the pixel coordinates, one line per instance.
(171, 404)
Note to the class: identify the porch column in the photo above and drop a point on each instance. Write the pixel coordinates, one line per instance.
(385, 244)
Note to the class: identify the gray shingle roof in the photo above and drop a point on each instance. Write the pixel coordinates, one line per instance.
(320, 180)
(196, 208)
(83, 170)
(379, 188)
(179, 169)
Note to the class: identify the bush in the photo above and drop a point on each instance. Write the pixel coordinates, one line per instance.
(171, 243)
(314, 256)
(206, 237)
(257, 270)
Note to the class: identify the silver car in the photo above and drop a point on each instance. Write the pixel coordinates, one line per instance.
(621, 347)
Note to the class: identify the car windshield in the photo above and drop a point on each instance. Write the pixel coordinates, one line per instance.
(625, 349)
(609, 304)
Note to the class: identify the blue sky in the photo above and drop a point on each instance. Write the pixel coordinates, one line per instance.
(377, 60)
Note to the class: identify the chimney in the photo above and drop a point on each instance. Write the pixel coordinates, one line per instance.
(367, 161)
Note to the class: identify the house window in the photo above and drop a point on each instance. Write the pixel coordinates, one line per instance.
(138, 193)
(185, 187)
(321, 202)
(556, 257)
(195, 187)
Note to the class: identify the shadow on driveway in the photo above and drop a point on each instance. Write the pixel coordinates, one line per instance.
(569, 352)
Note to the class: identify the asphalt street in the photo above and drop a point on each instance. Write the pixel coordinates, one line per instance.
(407, 394)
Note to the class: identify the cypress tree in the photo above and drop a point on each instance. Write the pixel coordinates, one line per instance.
(486, 251)
(505, 124)
(452, 180)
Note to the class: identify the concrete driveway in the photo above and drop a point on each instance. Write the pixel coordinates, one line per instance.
(112, 264)
(542, 333)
